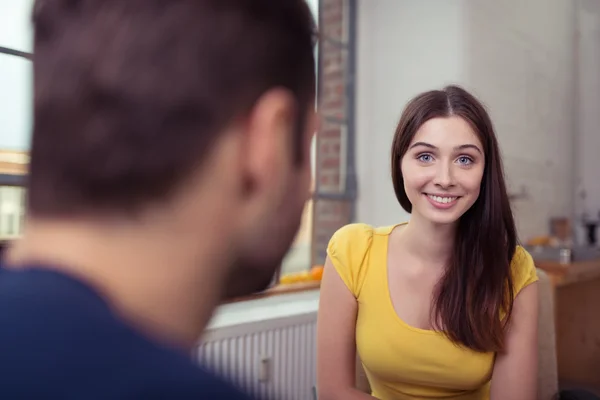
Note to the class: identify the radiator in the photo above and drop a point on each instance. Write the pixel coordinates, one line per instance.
(273, 359)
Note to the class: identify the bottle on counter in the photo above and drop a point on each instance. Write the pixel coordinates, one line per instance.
(565, 256)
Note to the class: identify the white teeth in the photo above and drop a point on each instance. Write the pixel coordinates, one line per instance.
(442, 200)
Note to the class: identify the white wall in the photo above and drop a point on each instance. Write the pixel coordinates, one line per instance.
(521, 62)
(587, 160)
(404, 47)
(517, 57)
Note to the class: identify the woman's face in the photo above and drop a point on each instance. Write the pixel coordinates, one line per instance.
(442, 169)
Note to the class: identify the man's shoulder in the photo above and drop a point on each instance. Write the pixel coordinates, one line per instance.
(172, 374)
(189, 383)
(158, 372)
(64, 338)
(116, 374)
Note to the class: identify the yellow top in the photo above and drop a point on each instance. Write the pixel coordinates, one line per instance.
(401, 361)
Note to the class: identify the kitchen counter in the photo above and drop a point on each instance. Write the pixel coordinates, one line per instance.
(572, 273)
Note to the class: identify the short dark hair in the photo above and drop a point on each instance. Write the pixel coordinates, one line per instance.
(478, 285)
(129, 95)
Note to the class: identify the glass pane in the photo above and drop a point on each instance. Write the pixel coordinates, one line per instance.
(15, 102)
(298, 258)
(12, 211)
(314, 7)
(16, 30)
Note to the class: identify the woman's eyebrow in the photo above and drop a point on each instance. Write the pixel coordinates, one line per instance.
(461, 147)
(468, 146)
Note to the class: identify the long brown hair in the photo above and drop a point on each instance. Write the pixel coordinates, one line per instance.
(477, 285)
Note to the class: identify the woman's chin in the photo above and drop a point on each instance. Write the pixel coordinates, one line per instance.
(445, 217)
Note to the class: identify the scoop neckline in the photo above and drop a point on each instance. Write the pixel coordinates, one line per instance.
(388, 294)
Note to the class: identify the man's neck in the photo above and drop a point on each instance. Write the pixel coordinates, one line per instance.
(163, 286)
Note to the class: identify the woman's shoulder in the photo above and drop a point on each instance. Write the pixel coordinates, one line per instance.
(350, 242)
(354, 231)
(359, 233)
(523, 269)
(348, 250)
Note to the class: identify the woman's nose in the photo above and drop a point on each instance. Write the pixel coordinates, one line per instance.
(444, 177)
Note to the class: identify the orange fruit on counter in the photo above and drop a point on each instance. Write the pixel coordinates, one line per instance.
(286, 279)
(316, 272)
(295, 277)
(304, 276)
(312, 275)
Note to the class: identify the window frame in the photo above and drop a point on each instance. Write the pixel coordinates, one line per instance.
(13, 172)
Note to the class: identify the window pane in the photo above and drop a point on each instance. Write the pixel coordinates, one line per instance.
(298, 258)
(12, 210)
(15, 102)
(16, 30)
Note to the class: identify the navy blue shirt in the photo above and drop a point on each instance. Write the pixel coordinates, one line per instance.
(60, 340)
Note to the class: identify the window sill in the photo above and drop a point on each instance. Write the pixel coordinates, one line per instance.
(13, 162)
(281, 305)
(279, 290)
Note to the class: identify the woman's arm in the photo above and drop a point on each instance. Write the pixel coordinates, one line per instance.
(516, 370)
(336, 344)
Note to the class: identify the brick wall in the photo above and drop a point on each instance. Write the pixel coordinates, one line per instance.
(332, 204)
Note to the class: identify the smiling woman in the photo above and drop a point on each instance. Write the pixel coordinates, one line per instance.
(445, 284)
(444, 170)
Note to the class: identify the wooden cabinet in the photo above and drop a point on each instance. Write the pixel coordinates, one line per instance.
(577, 304)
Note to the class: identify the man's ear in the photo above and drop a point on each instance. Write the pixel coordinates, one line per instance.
(267, 143)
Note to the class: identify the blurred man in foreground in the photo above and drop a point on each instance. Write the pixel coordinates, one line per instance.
(169, 169)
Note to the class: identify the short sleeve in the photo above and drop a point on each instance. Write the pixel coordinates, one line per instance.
(523, 270)
(347, 251)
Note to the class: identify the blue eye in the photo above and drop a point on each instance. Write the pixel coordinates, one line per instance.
(465, 160)
(425, 158)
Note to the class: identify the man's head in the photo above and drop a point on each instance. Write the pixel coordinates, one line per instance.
(145, 109)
